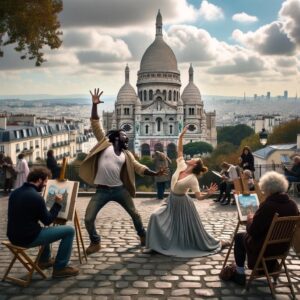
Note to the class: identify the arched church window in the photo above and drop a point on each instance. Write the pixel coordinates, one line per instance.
(158, 124)
(171, 129)
(150, 95)
(170, 95)
(141, 95)
(147, 129)
(165, 94)
(174, 96)
(177, 96)
(157, 91)
(145, 95)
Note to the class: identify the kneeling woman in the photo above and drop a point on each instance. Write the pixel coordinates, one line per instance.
(175, 229)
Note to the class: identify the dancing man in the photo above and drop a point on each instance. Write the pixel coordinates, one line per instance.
(111, 167)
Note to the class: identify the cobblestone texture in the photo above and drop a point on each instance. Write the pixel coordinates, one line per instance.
(122, 270)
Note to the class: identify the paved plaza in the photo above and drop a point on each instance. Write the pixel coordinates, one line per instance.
(121, 270)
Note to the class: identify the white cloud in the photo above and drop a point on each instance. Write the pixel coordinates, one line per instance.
(290, 16)
(269, 39)
(244, 18)
(191, 43)
(120, 13)
(210, 12)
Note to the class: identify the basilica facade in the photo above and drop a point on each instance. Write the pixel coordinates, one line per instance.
(154, 116)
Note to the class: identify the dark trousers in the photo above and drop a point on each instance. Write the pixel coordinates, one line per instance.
(160, 188)
(225, 187)
(239, 249)
(102, 197)
(8, 183)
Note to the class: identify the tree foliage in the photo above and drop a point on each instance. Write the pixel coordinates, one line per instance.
(31, 25)
(197, 148)
(285, 133)
(234, 134)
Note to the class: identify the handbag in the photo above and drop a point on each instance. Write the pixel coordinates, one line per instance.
(227, 272)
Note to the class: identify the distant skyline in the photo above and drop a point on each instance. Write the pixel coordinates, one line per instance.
(250, 46)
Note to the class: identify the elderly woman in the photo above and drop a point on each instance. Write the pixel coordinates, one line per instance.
(274, 186)
(176, 229)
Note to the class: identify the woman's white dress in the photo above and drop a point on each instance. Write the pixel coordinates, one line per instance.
(22, 170)
(175, 229)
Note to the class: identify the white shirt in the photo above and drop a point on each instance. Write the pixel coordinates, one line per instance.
(109, 168)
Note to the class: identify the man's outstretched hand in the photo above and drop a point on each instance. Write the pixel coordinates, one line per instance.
(96, 96)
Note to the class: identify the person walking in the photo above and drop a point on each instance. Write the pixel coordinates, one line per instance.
(22, 171)
(161, 160)
(52, 164)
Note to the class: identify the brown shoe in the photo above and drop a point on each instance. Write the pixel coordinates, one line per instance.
(65, 272)
(92, 248)
(46, 264)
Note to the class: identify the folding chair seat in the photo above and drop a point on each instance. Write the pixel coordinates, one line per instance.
(19, 254)
(280, 234)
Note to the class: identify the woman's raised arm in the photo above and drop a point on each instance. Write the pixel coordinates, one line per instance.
(180, 143)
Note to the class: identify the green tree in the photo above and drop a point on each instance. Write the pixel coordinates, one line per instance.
(196, 148)
(31, 25)
(234, 134)
(285, 133)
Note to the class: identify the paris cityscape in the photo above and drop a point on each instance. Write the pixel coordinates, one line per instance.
(165, 127)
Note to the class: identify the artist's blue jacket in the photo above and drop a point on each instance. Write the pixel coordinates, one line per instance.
(26, 207)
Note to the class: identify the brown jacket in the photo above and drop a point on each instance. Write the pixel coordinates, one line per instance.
(88, 168)
(258, 229)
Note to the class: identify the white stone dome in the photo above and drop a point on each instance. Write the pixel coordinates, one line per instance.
(191, 93)
(159, 57)
(127, 94)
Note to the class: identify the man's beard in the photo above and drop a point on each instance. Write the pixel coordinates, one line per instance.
(124, 144)
(40, 187)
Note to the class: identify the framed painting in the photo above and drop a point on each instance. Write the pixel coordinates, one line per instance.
(68, 190)
(246, 204)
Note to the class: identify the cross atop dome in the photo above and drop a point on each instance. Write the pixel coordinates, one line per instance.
(191, 73)
(159, 24)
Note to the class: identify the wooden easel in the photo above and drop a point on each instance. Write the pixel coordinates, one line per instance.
(241, 187)
(59, 221)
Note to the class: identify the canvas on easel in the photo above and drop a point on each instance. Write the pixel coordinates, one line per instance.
(68, 190)
(246, 204)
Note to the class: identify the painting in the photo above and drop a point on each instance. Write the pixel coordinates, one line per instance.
(246, 204)
(68, 190)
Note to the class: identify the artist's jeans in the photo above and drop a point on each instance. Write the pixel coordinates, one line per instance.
(103, 196)
(291, 178)
(48, 235)
(160, 187)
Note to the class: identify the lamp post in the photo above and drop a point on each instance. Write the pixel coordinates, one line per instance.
(263, 137)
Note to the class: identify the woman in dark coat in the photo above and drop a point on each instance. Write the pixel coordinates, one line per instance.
(247, 159)
(274, 186)
(52, 164)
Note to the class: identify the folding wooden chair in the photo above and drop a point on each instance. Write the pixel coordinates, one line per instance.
(280, 233)
(30, 264)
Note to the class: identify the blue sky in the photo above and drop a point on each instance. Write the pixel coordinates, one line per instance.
(265, 10)
(235, 46)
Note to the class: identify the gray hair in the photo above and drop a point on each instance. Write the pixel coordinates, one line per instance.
(272, 182)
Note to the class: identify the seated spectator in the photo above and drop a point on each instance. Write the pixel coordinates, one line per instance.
(229, 173)
(274, 186)
(26, 208)
(52, 164)
(247, 174)
(293, 175)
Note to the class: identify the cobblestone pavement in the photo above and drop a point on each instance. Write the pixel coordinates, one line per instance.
(122, 271)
